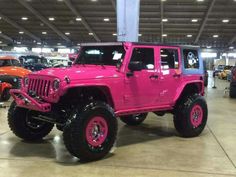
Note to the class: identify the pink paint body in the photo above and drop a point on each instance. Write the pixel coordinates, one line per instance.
(129, 95)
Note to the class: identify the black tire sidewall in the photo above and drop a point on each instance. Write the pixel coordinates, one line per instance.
(5, 96)
(77, 143)
(182, 118)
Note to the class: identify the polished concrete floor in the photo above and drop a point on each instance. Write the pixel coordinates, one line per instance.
(151, 149)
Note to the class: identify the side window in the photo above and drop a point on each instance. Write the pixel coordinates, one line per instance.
(191, 59)
(144, 55)
(169, 59)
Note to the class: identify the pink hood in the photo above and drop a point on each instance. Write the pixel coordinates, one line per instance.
(81, 72)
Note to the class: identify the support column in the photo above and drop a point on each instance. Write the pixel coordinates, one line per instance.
(127, 20)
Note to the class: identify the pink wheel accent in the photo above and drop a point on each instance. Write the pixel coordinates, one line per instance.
(196, 116)
(96, 131)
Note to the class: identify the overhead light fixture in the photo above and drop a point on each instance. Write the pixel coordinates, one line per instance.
(18, 42)
(231, 47)
(225, 21)
(208, 47)
(39, 43)
(194, 20)
(189, 35)
(24, 18)
(200, 0)
(78, 19)
(44, 32)
(51, 18)
(139, 34)
(58, 43)
(0, 32)
(0, 18)
(67, 33)
(215, 35)
(0, 42)
(60, 0)
(21, 32)
(164, 35)
(94, 0)
(163, 0)
(164, 20)
(114, 34)
(78, 44)
(90, 34)
(106, 19)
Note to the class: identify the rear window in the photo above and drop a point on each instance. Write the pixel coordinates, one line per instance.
(191, 59)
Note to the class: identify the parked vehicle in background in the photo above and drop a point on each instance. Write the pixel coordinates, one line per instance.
(11, 71)
(218, 69)
(4, 91)
(59, 62)
(106, 81)
(232, 88)
(34, 62)
(223, 74)
(73, 56)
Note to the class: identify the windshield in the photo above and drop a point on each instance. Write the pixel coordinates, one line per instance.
(102, 55)
(9, 62)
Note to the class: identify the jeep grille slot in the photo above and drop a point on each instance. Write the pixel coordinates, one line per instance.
(40, 87)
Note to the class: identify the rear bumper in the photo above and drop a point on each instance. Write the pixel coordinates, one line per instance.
(24, 100)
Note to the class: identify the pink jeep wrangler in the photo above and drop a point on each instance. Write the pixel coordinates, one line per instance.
(106, 81)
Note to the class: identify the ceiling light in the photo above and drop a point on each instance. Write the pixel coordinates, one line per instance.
(18, 42)
(231, 47)
(163, 0)
(94, 0)
(165, 20)
(139, 34)
(90, 34)
(215, 35)
(78, 19)
(164, 35)
(0, 18)
(59, 0)
(200, 0)
(44, 32)
(114, 34)
(209, 47)
(0, 42)
(189, 35)
(194, 20)
(58, 43)
(0, 32)
(39, 43)
(78, 44)
(67, 33)
(24, 18)
(225, 21)
(106, 19)
(51, 18)
(21, 32)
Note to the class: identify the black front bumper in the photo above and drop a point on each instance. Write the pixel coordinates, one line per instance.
(13, 80)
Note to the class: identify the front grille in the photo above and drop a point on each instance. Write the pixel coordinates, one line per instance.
(40, 87)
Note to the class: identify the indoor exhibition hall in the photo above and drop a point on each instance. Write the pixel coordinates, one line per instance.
(117, 88)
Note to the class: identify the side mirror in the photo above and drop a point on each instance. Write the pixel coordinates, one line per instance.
(135, 66)
(69, 63)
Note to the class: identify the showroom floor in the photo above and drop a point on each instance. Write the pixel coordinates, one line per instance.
(151, 149)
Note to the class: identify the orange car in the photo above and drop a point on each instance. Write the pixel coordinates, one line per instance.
(11, 71)
(4, 91)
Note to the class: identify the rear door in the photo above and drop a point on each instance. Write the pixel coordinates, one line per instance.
(170, 73)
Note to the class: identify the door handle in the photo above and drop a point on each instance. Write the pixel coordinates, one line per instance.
(153, 77)
(176, 75)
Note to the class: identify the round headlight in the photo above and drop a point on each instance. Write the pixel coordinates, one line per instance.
(56, 84)
(26, 81)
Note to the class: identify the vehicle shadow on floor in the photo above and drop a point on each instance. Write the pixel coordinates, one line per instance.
(54, 149)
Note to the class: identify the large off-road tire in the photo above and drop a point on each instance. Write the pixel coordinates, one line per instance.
(134, 119)
(24, 126)
(5, 96)
(232, 91)
(191, 116)
(91, 132)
